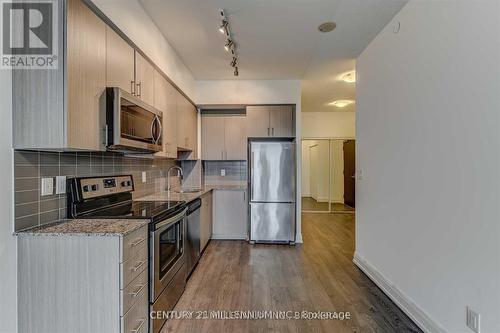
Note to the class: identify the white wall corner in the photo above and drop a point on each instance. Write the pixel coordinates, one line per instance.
(412, 310)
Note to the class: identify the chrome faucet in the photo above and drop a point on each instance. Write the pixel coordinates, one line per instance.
(179, 174)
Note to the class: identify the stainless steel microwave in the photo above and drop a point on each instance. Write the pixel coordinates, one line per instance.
(131, 125)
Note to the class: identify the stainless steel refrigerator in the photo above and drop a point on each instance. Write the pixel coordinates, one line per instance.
(271, 180)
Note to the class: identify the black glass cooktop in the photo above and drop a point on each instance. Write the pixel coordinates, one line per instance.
(138, 209)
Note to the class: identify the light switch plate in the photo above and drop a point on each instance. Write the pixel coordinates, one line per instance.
(144, 179)
(60, 184)
(222, 172)
(47, 186)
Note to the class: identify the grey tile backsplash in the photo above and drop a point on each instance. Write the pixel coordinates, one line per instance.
(235, 172)
(31, 209)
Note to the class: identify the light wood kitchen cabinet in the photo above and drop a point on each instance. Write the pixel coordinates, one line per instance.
(270, 121)
(235, 128)
(187, 126)
(165, 101)
(95, 283)
(86, 75)
(206, 219)
(59, 108)
(212, 137)
(224, 137)
(144, 79)
(120, 62)
(230, 214)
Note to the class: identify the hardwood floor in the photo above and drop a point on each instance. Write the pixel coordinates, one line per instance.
(316, 275)
(311, 205)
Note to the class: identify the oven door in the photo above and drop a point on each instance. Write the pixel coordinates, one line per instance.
(132, 125)
(167, 251)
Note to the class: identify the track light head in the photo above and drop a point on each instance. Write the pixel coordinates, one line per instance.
(223, 28)
(236, 71)
(229, 46)
(234, 62)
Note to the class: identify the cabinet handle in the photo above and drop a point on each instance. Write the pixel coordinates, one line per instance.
(139, 89)
(135, 293)
(134, 269)
(137, 242)
(139, 327)
(273, 131)
(132, 87)
(268, 132)
(222, 154)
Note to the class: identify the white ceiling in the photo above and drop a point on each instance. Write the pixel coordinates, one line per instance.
(277, 39)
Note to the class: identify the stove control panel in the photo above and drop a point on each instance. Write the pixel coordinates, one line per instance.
(103, 186)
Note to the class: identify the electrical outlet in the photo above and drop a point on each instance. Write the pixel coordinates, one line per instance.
(47, 186)
(223, 172)
(473, 320)
(144, 179)
(60, 184)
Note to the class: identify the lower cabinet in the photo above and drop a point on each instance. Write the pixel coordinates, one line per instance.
(83, 283)
(230, 214)
(206, 219)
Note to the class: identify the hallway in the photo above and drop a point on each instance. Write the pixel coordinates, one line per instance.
(318, 275)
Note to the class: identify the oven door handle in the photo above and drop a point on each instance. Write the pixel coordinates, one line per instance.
(167, 222)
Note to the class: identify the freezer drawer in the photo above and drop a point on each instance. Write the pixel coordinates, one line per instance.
(272, 222)
(272, 171)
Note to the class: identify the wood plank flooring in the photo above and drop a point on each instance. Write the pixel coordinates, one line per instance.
(316, 275)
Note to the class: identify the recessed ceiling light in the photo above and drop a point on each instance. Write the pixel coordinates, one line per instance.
(327, 26)
(349, 77)
(341, 103)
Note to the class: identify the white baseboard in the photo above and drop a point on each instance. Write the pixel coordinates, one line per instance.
(422, 319)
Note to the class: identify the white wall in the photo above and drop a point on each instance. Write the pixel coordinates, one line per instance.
(258, 92)
(8, 248)
(133, 20)
(328, 125)
(428, 142)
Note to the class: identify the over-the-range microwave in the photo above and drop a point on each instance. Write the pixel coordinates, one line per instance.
(131, 125)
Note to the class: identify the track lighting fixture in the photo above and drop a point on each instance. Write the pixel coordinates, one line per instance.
(224, 27)
(230, 45)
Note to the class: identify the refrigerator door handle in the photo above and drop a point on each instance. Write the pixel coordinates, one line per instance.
(250, 196)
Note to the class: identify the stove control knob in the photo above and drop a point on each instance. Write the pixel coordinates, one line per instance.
(85, 188)
(95, 187)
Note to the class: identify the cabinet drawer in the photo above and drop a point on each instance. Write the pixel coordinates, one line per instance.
(132, 292)
(131, 268)
(136, 319)
(133, 241)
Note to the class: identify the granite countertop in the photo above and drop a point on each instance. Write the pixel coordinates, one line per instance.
(87, 227)
(176, 196)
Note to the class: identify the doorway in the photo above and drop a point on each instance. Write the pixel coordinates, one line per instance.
(328, 175)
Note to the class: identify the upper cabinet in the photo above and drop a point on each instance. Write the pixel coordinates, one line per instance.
(120, 62)
(128, 69)
(62, 108)
(224, 137)
(187, 126)
(165, 101)
(144, 73)
(270, 121)
(59, 109)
